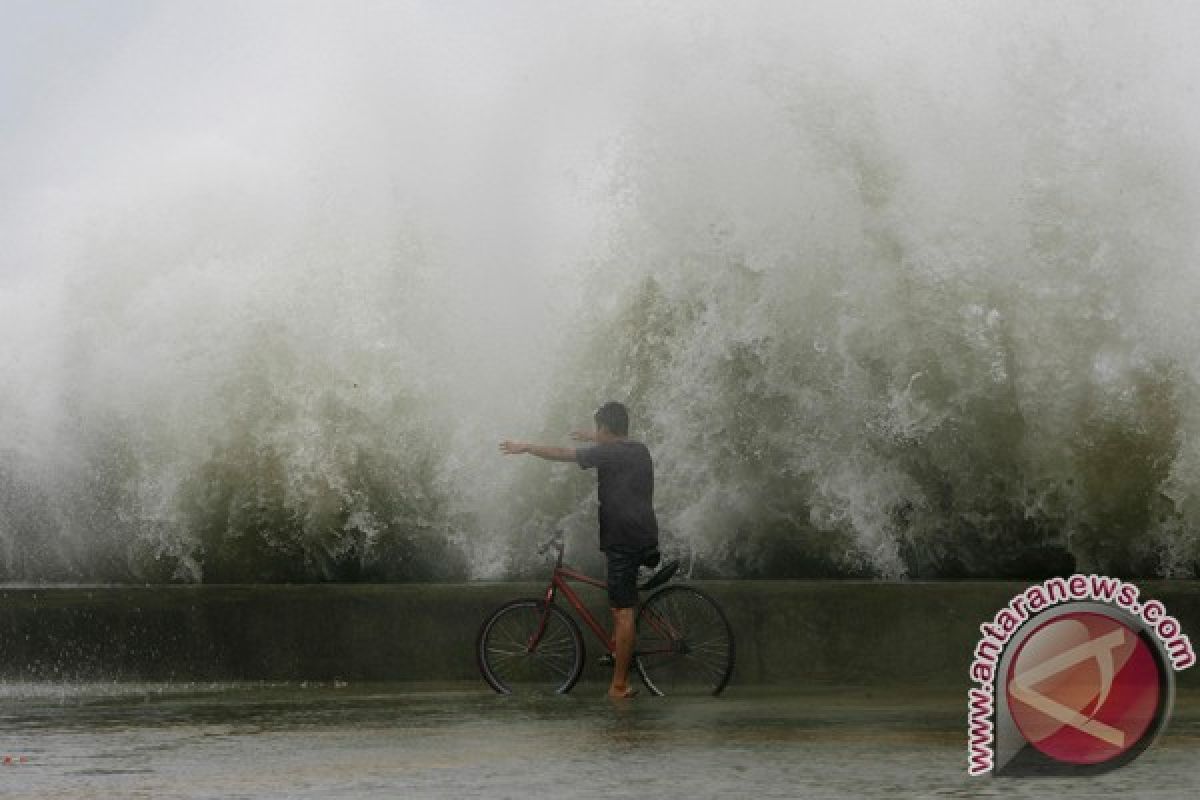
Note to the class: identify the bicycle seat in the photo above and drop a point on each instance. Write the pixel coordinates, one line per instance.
(662, 576)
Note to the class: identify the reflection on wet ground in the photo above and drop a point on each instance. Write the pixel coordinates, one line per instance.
(366, 741)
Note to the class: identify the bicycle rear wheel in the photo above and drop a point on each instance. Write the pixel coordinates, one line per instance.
(513, 658)
(684, 643)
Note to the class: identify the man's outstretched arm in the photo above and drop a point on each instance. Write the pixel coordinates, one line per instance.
(510, 448)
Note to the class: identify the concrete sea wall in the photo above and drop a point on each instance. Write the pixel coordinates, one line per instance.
(788, 632)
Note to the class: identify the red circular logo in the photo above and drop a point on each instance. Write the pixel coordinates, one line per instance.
(1083, 688)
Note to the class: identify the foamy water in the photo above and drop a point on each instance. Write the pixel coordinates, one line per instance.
(891, 289)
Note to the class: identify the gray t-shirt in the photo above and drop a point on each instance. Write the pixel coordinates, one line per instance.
(626, 489)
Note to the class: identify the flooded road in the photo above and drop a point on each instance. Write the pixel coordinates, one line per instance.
(374, 741)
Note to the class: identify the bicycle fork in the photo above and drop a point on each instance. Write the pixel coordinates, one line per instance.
(532, 644)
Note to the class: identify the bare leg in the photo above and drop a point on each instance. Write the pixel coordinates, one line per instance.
(623, 635)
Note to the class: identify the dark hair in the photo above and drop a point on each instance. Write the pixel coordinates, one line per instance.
(614, 418)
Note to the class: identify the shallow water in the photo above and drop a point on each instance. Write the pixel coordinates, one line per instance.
(365, 741)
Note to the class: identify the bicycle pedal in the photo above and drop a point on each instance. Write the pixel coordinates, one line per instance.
(606, 660)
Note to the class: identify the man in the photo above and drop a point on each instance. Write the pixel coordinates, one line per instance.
(628, 527)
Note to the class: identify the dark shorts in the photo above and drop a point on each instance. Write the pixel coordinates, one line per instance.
(623, 566)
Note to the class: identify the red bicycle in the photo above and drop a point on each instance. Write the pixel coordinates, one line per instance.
(684, 642)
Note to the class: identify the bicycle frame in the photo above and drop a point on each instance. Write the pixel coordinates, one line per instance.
(559, 584)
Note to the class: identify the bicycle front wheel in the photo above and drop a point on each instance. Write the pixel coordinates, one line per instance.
(684, 643)
(524, 647)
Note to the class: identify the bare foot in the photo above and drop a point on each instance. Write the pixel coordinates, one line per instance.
(621, 692)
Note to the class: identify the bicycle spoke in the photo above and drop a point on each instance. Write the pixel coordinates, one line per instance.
(716, 670)
(527, 647)
(564, 671)
(684, 643)
(508, 653)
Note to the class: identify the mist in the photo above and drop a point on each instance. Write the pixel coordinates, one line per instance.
(892, 290)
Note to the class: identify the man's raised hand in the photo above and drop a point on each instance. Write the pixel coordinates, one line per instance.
(511, 448)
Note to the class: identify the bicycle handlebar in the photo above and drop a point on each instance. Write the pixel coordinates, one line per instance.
(554, 541)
